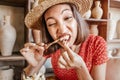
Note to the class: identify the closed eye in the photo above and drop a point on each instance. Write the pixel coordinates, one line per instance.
(68, 18)
(51, 24)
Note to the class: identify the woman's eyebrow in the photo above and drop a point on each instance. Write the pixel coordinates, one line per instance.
(65, 10)
(49, 18)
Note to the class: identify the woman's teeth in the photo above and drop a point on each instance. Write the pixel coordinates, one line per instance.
(64, 38)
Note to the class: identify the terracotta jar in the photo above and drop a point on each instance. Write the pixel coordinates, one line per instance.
(97, 11)
(94, 29)
(7, 36)
(87, 15)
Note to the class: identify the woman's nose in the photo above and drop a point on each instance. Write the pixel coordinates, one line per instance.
(61, 28)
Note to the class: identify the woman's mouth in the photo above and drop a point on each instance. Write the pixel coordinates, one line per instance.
(65, 38)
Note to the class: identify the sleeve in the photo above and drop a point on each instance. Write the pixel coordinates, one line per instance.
(100, 51)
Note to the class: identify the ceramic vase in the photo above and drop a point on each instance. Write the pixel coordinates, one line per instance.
(36, 36)
(118, 29)
(6, 73)
(7, 36)
(118, 35)
(97, 11)
(94, 29)
(111, 29)
(87, 15)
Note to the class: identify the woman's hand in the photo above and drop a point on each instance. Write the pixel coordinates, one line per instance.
(70, 59)
(32, 53)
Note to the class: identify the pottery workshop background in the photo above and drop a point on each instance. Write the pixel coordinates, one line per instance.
(115, 17)
(17, 20)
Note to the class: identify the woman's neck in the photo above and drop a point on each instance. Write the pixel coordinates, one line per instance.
(75, 48)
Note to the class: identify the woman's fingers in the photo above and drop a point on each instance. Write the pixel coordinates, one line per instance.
(62, 62)
(66, 58)
(33, 53)
(29, 45)
(29, 56)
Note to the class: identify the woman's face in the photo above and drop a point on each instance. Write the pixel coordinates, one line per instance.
(61, 23)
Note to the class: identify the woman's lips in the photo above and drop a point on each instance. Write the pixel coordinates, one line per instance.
(65, 37)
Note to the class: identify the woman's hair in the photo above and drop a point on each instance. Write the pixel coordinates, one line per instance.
(82, 32)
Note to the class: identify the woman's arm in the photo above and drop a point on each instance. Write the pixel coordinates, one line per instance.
(34, 56)
(98, 72)
(83, 73)
(31, 70)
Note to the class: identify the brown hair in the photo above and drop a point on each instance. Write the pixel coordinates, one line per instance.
(82, 32)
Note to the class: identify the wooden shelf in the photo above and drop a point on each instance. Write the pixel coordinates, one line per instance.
(115, 3)
(114, 41)
(96, 21)
(17, 3)
(12, 58)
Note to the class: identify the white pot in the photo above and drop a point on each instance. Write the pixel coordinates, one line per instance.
(6, 74)
(7, 36)
(97, 11)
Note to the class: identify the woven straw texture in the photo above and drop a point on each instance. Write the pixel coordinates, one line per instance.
(32, 18)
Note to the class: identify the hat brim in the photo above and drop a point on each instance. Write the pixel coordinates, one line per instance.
(32, 18)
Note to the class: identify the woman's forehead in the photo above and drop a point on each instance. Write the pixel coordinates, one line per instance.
(59, 8)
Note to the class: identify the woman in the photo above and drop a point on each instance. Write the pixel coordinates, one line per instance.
(77, 55)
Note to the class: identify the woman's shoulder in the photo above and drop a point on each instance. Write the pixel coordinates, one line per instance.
(95, 38)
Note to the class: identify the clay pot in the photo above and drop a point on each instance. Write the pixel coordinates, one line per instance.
(7, 36)
(6, 73)
(87, 15)
(118, 29)
(94, 29)
(36, 36)
(111, 29)
(118, 35)
(97, 11)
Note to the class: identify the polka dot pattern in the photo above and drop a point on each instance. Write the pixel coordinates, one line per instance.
(93, 51)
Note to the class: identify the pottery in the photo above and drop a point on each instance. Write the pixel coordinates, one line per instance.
(94, 29)
(6, 73)
(7, 36)
(36, 36)
(97, 11)
(111, 29)
(118, 35)
(118, 29)
(87, 15)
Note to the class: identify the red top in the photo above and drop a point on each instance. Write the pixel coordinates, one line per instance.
(93, 51)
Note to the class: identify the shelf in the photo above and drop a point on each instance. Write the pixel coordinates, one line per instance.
(114, 41)
(114, 57)
(115, 3)
(17, 3)
(12, 58)
(96, 21)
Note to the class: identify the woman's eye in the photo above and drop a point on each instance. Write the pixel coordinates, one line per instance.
(51, 24)
(68, 18)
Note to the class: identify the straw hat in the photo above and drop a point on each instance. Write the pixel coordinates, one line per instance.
(32, 19)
